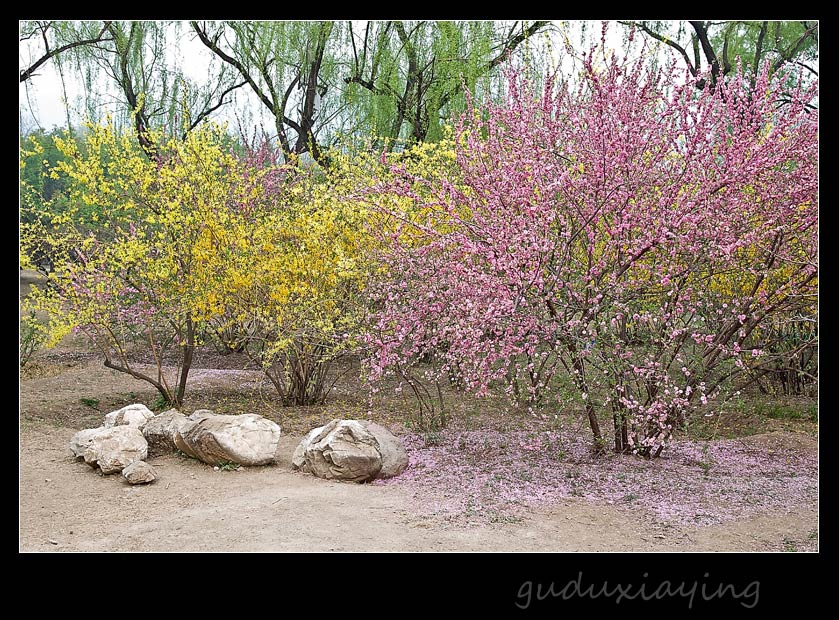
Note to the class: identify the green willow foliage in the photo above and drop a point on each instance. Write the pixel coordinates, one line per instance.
(319, 81)
(448, 56)
(720, 46)
(382, 83)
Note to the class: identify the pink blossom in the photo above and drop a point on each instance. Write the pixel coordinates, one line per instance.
(573, 205)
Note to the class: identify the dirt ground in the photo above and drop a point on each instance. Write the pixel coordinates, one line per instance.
(66, 506)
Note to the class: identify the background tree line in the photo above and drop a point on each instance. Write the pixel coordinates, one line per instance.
(322, 81)
(318, 81)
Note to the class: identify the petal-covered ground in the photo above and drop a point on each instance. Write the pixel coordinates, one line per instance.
(489, 476)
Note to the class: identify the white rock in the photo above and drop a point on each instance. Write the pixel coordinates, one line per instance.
(394, 456)
(114, 449)
(180, 442)
(298, 459)
(81, 440)
(356, 450)
(139, 472)
(247, 439)
(191, 420)
(131, 415)
(342, 450)
(160, 431)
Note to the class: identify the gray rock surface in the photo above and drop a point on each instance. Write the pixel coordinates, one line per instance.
(341, 450)
(354, 450)
(298, 459)
(394, 456)
(160, 430)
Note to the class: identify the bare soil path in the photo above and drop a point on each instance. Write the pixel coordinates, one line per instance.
(66, 506)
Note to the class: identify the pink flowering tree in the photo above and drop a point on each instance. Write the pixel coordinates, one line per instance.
(628, 234)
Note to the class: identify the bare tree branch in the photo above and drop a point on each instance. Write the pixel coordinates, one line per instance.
(207, 111)
(665, 40)
(29, 72)
(213, 45)
(787, 55)
(701, 30)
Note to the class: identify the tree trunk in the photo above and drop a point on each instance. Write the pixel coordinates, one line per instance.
(189, 350)
(580, 380)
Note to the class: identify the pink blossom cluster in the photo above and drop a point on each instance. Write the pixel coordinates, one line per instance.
(629, 232)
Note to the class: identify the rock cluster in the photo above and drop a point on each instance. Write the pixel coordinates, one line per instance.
(352, 450)
(132, 434)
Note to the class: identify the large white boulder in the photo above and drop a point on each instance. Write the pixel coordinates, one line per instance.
(298, 459)
(114, 449)
(394, 456)
(82, 440)
(247, 439)
(160, 431)
(353, 450)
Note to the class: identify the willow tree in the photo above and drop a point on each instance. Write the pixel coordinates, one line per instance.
(289, 66)
(136, 60)
(717, 46)
(54, 38)
(406, 78)
(393, 79)
(44, 43)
